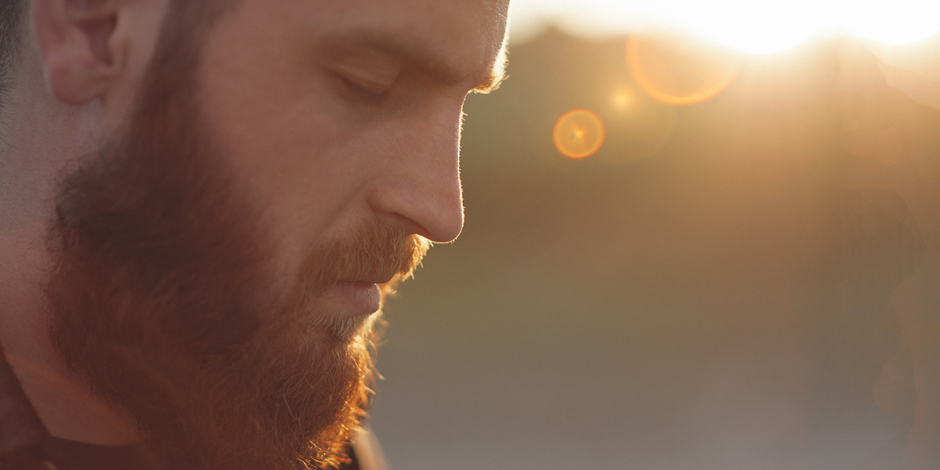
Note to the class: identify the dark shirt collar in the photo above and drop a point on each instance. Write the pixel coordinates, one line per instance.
(26, 444)
(20, 427)
(71, 455)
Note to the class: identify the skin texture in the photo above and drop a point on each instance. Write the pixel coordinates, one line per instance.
(308, 133)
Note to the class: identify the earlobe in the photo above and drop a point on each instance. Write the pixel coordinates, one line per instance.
(76, 47)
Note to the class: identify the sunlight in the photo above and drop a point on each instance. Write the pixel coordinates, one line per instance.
(900, 22)
(750, 26)
(753, 26)
(578, 133)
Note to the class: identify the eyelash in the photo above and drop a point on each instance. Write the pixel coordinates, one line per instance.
(362, 92)
(364, 89)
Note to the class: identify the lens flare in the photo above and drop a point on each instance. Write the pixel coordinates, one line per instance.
(680, 71)
(578, 133)
(623, 98)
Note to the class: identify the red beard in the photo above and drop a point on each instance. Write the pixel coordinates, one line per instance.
(163, 299)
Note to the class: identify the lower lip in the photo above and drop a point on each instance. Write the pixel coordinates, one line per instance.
(354, 298)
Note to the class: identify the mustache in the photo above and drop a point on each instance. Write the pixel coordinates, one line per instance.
(376, 249)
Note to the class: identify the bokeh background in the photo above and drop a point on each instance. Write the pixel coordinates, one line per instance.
(745, 278)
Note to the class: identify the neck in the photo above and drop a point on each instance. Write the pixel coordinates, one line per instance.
(41, 140)
(62, 400)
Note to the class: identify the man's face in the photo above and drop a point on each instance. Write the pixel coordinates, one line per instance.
(218, 259)
(334, 112)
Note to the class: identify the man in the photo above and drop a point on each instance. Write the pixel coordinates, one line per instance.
(204, 204)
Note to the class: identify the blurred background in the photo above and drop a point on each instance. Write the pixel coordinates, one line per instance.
(699, 235)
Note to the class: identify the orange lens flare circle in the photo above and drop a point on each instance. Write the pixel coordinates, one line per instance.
(680, 71)
(578, 133)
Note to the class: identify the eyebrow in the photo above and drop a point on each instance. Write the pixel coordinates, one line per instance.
(414, 50)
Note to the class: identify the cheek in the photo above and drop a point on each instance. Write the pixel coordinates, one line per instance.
(275, 127)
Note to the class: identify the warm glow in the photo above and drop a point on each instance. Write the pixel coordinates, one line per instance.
(680, 71)
(623, 98)
(753, 26)
(578, 133)
(897, 22)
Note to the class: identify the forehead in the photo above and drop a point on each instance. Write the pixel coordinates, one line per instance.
(450, 21)
(468, 34)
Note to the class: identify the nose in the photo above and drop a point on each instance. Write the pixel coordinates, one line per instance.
(418, 174)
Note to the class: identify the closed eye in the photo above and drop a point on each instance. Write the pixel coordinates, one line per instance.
(372, 74)
(370, 84)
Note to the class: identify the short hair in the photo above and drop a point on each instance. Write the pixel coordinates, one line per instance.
(12, 13)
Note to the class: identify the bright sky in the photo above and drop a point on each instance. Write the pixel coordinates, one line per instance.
(759, 26)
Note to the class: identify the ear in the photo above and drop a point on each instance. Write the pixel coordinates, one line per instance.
(81, 58)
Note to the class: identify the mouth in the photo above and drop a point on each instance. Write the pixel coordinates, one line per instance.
(357, 296)
(354, 298)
